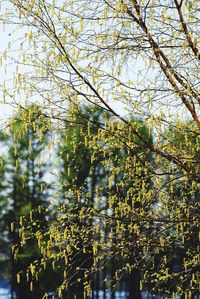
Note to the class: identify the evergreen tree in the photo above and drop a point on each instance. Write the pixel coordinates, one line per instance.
(175, 269)
(25, 199)
(82, 170)
(4, 207)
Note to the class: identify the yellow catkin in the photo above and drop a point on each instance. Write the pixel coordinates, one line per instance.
(18, 278)
(31, 286)
(12, 227)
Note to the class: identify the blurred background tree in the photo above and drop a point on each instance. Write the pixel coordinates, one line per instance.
(24, 191)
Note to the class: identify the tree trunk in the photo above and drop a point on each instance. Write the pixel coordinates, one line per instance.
(134, 284)
(13, 241)
(104, 282)
(112, 278)
(97, 285)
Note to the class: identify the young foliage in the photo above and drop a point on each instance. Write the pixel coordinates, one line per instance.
(144, 54)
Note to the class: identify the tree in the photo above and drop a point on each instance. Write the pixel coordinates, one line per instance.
(183, 193)
(87, 52)
(23, 190)
(74, 174)
(84, 171)
(4, 205)
(26, 184)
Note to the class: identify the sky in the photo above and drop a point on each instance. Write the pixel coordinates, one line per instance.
(5, 110)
